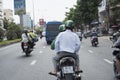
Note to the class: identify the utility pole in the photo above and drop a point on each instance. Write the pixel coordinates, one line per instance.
(33, 17)
(108, 14)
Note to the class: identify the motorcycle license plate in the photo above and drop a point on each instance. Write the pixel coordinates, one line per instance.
(67, 69)
(95, 42)
(25, 46)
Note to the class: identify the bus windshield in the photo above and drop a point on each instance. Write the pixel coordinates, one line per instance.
(52, 27)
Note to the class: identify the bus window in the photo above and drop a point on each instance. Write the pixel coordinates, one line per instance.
(52, 31)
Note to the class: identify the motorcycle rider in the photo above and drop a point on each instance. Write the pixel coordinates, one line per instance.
(117, 44)
(32, 36)
(94, 34)
(61, 29)
(66, 43)
(25, 38)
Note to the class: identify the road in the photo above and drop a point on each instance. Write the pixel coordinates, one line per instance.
(96, 62)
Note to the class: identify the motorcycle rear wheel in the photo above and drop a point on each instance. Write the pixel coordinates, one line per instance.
(69, 77)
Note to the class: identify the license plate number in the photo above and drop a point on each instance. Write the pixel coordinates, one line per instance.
(67, 69)
(25, 46)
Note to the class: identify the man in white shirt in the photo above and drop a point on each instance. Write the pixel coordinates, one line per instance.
(66, 43)
(25, 38)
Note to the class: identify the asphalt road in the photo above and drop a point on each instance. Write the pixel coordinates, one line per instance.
(96, 62)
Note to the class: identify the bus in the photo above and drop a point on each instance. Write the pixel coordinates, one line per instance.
(52, 30)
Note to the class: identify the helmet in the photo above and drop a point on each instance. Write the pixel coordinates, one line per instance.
(62, 27)
(25, 31)
(69, 24)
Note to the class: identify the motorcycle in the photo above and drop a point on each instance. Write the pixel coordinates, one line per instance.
(67, 70)
(80, 38)
(116, 53)
(94, 41)
(27, 49)
(114, 37)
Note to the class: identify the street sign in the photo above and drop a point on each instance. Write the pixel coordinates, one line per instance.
(19, 7)
(41, 21)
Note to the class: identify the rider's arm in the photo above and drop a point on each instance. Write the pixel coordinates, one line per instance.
(53, 45)
(77, 47)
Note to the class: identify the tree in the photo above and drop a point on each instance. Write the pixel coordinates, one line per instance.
(6, 23)
(1, 34)
(13, 31)
(85, 12)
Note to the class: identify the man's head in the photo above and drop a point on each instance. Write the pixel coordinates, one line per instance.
(62, 28)
(69, 24)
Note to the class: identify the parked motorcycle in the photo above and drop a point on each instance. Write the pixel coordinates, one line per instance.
(116, 53)
(67, 69)
(94, 41)
(114, 37)
(27, 49)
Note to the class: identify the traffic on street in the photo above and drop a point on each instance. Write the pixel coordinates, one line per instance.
(96, 62)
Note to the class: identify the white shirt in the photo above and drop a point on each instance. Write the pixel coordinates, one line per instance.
(67, 41)
(24, 38)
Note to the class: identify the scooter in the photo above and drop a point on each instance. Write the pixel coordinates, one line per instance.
(94, 41)
(27, 49)
(67, 69)
(116, 53)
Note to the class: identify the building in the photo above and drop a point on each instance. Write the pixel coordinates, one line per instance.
(103, 16)
(1, 14)
(27, 22)
(115, 13)
(8, 14)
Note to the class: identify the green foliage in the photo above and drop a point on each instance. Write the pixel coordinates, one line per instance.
(11, 35)
(6, 42)
(114, 2)
(84, 12)
(1, 34)
(16, 28)
(6, 23)
(13, 30)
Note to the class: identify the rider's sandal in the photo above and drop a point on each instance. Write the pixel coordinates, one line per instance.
(54, 74)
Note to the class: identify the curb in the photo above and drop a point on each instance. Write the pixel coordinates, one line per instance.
(3, 45)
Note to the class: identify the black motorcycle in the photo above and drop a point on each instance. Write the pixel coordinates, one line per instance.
(114, 36)
(116, 53)
(94, 41)
(67, 69)
(27, 49)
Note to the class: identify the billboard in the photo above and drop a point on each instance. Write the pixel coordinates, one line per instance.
(19, 7)
(41, 21)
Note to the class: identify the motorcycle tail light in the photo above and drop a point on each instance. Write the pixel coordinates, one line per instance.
(25, 44)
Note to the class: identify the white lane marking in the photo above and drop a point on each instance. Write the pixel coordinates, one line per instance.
(41, 52)
(81, 46)
(44, 47)
(33, 62)
(108, 61)
(90, 51)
